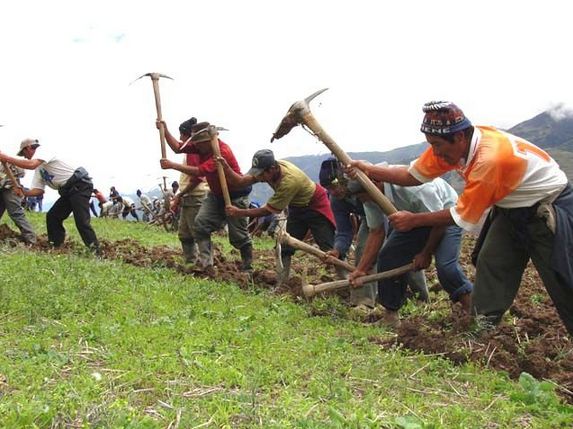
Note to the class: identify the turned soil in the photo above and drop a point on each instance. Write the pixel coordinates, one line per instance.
(531, 338)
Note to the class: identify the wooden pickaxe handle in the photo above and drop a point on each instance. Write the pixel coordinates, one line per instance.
(375, 193)
(311, 290)
(220, 170)
(155, 81)
(286, 238)
(11, 177)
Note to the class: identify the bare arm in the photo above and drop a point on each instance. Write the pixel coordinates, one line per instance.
(173, 143)
(423, 259)
(35, 192)
(396, 175)
(254, 212)
(183, 168)
(405, 221)
(235, 179)
(28, 164)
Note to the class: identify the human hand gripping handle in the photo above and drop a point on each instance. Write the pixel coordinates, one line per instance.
(160, 123)
(355, 278)
(351, 169)
(403, 221)
(166, 164)
(232, 211)
(422, 260)
(330, 255)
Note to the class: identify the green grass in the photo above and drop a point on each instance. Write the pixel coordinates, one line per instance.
(92, 343)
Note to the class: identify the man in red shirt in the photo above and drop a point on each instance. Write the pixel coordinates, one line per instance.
(212, 216)
(192, 191)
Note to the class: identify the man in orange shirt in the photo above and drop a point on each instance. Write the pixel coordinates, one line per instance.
(530, 198)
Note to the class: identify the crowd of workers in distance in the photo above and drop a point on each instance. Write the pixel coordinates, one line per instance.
(149, 209)
(515, 195)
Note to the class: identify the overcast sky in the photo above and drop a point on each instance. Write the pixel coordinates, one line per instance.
(67, 66)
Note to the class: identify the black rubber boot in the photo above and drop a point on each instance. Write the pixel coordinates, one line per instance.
(190, 251)
(247, 257)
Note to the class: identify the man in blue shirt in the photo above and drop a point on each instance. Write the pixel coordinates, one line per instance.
(419, 244)
(348, 198)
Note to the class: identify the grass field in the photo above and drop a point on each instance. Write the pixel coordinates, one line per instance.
(96, 343)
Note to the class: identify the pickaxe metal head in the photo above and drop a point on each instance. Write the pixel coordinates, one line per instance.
(153, 76)
(294, 115)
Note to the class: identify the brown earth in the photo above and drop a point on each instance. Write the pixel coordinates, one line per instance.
(532, 338)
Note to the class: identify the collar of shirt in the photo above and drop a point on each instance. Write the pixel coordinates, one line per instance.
(473, 147)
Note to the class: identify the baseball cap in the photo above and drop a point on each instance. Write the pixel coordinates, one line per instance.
(27, 143)
(262, 159)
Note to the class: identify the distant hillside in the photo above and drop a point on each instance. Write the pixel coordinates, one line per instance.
(555, 136)
(547, 132)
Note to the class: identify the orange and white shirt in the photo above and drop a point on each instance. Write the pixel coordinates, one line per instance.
(501, 170)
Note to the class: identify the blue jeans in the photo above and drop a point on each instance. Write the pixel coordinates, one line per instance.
(400, 249)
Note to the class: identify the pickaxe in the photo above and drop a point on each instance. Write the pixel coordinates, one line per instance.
(155, 81)
(299, 113)
(16, 188)
(15, 185)
(284, 238)
(213, 133)
(311, 290)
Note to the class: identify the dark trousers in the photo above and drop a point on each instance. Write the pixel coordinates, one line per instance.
(76, 200)
(400, 249)
(502, 261)
(321, 228)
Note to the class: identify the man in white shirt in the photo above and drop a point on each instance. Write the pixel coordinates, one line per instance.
(128, 208)
(146, 206)
(73, 184)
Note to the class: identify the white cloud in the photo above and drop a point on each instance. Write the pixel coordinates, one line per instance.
(560, 111)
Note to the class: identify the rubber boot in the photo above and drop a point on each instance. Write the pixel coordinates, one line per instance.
(190, 251)
(205, 257)
(247, 257)
(283, 276)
